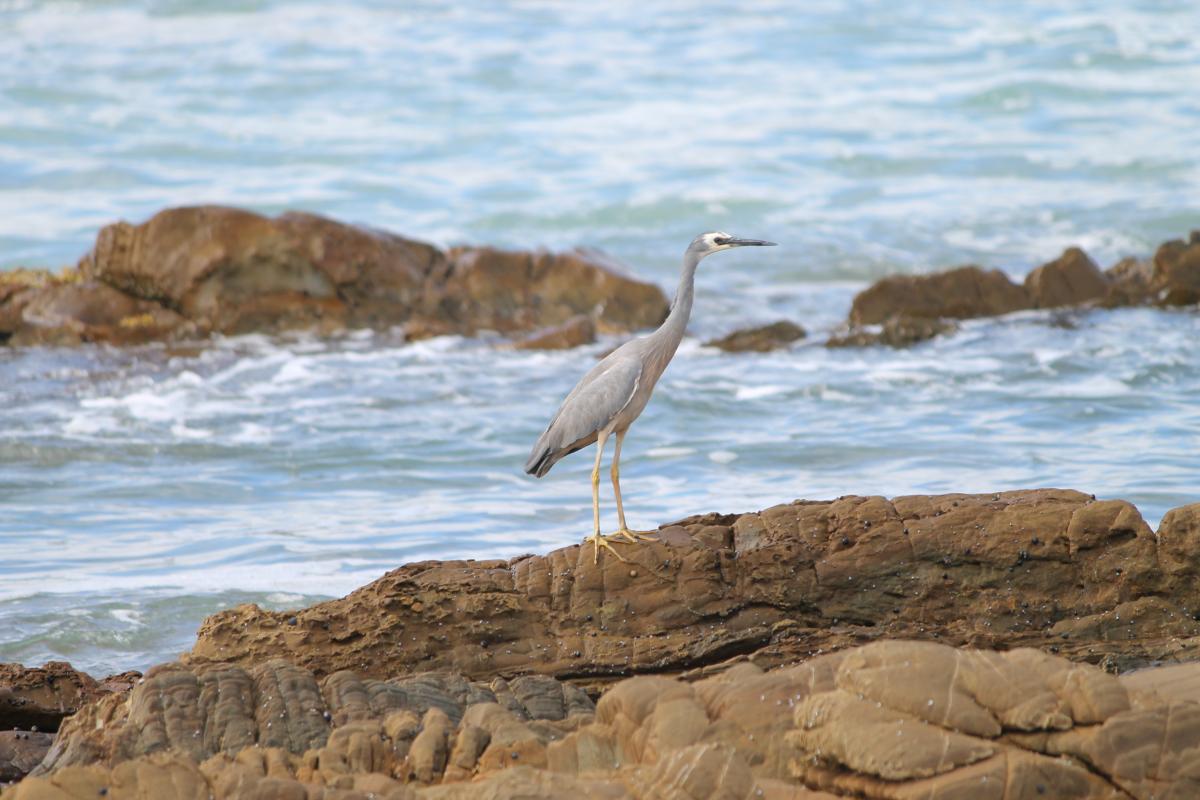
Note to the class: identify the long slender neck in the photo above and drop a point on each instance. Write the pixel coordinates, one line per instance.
(681, 308)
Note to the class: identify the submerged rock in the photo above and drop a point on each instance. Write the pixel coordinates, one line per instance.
(194, 271)
(895, 332)
(759, 339)
(578, 330)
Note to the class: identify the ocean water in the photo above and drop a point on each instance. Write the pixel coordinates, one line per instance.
(144, 488)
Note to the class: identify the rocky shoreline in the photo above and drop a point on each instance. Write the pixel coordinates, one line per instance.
(188, 273)
(1036, 643)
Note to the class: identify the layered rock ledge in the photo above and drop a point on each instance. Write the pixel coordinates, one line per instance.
(918, 647)
(1049, 568)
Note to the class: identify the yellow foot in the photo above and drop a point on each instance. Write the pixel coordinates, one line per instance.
(602, 541)
(633, 537)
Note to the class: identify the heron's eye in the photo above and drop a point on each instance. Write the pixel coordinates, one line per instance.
(720, 240)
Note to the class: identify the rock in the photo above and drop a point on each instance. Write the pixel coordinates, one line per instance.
(38, 698)
(578, 330)
(959, 293)
(768, 586)
(209, 269)
(759, 339)
(20, 752)
(1071, 279)
(233, 271)
(482, 288)
(1128, 283)
(86, 311)
(223, 708)
(930, 722)
(1176, 276)
(892, 719)
(895, 332)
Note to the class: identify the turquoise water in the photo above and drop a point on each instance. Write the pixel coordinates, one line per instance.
(142, 489)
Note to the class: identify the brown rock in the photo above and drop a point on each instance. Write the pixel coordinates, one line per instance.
(759, 339)
(895, 332)
(234, 271)
(487, 289)
(959, 293)
(222, 708)
(40, 697)
(87, 311)
(1176, 278)
(20, 752)
(1070, 280)
(1128, 282)
(578, 330)
(772, 586)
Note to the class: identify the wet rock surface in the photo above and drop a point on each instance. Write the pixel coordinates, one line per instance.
(190, 272)
(1175, 279)
(1171, 278)
(759, 339)
(895, 332)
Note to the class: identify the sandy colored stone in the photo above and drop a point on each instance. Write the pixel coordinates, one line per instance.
(872, 739)
(838, 725)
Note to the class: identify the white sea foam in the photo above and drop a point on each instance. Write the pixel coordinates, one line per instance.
(758, 392)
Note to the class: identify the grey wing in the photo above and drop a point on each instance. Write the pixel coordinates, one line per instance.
(588, 409)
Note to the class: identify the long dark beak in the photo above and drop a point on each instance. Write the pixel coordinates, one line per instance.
(749, 243)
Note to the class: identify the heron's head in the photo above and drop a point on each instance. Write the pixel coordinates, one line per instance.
(707, 243)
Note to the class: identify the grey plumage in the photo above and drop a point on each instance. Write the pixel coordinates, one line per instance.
(613, 393)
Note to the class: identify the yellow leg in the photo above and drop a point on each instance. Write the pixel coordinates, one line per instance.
(624, 532)
(596, 539)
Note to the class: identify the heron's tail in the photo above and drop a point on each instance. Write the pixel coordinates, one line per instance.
(540, 460)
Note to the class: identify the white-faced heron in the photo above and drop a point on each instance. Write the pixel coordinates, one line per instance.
(614, 392)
